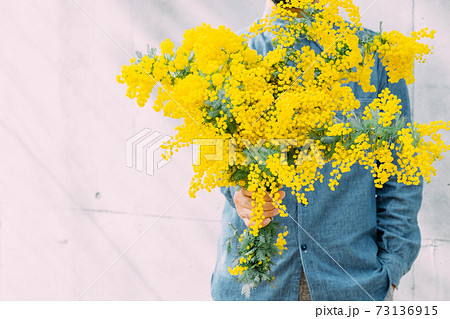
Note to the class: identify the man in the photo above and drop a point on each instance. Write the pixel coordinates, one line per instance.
(354, 243)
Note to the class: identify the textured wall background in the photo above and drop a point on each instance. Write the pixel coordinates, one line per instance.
(75, 221)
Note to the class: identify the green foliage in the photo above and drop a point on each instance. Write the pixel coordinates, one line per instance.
(259, 252)
(373, 128)
(231, 239)
(151, 53)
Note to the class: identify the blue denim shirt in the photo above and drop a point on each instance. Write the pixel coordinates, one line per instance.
(352, 243)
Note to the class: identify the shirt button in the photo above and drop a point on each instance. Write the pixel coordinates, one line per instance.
(304, 247)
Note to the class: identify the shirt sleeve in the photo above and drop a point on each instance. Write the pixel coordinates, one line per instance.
(228, 192)
(398, 234)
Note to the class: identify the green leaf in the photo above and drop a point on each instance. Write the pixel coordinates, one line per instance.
(240, 174)
(151, 52)
(330, 139)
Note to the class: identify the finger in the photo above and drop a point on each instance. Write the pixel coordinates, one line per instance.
(244, 213)
(245, 202)
(266, 222)
(270, 206)
(271, 213)
(269, 198)
(245, 192)
(242, 201)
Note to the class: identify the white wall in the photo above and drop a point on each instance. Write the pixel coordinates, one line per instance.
(75, 221)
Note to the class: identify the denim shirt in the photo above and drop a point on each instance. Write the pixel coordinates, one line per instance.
(352, 243)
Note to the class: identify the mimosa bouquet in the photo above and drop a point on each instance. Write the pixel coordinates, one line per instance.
(264, 122)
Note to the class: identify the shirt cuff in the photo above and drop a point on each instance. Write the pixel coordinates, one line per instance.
(394, 268)
(228, 192)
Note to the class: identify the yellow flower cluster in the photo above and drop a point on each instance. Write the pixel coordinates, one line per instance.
(281, 242)
(236, 271)
(398, 52)
(388, 106)
(267, 122)
(416, 158)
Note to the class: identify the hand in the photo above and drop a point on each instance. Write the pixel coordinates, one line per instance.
(243, 202)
